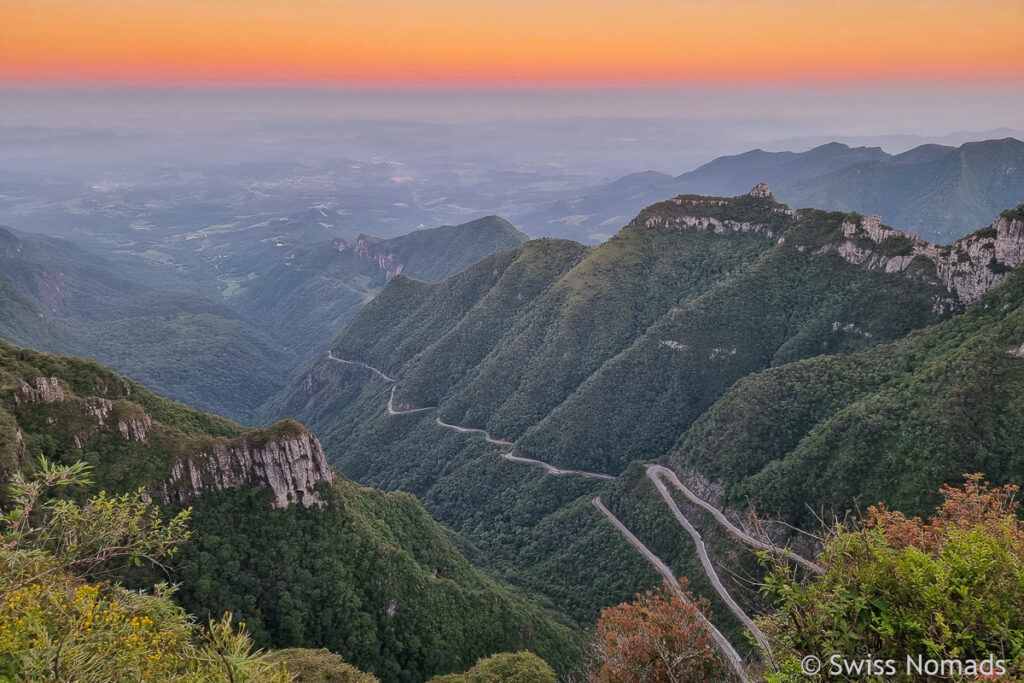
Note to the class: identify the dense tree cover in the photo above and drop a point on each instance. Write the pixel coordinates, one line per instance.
(203, 360)
(592, 313)
(579, 561)
(59, 623)
(784, 307)
(659, 637)
(59, 298)
(596, 357)
(508, 667)
(946, 588)
(890, 424)
(228, 354)
(600, 357)
(369, 575)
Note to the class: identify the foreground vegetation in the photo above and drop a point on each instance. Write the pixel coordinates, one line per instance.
(947, 588)
(60, 622)
(368, 575)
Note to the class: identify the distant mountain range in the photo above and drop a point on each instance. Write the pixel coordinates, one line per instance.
(935, 191)
(306, 299)
(230, 352)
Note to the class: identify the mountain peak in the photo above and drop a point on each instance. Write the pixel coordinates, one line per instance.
(762, 191)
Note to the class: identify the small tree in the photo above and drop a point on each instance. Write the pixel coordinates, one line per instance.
(658, 638)
(506, 667)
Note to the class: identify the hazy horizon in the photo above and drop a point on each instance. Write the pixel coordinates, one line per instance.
(604, 131)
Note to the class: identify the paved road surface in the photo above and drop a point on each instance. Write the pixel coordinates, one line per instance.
(387, 378)
(654, 471)
(724, 646)
(709, 568)
(551, 469)
(394, 411)
(487, 437)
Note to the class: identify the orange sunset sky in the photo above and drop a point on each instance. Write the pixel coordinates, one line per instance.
(531, 41)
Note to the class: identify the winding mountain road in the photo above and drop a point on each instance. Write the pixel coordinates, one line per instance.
(392, 410)
(724, 646)
(709, 568)
(551, 469)
(487, 437)
(654, 473)
(387, 378)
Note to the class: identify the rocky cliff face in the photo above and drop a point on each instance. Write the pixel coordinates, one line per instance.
(285, 458)
(695, 212)
(126, 418)
(373, 250)
(968, 268)
(289, 465)
(46, 390)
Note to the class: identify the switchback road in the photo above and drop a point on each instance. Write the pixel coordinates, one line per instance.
(724, 646)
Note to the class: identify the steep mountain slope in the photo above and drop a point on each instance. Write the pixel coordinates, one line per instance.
(590, 358)
(305, 557)
(63, 299)
(938, 192)
(307, 299)
(891, 423)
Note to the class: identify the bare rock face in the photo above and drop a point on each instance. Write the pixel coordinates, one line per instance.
(127, 419)
(1017, 352)
(289, 466)
(691, 212)
(46, 390)
(370, 249)
(968, 268)
(708, 224)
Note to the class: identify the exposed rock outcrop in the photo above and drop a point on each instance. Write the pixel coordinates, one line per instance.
(708, 224)
(46, 390)
(128, 419)
(696, 212)
(1017, 352)
(289, 465)
(968, 268)
(371, 250)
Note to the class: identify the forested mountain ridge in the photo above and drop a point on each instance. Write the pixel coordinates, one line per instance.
(695, 293)
(591, 358)
(61, 298)
(303, 556)
(317, 289)
(936, 191)
(890, 423)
